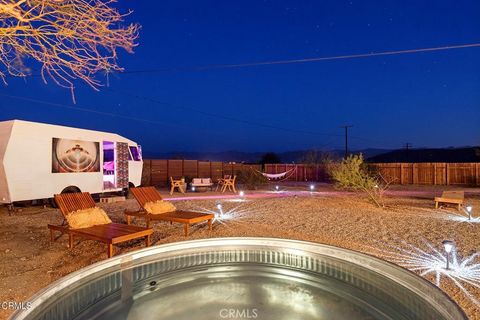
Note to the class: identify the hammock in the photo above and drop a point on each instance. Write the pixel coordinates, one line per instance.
(276, 176)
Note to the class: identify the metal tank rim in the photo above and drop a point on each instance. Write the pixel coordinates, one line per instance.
(408, 279)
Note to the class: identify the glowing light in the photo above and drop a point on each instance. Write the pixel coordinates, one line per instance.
(469, 208)
(463, 273)
(234, 216)
(193, 189)
(312, 187)
(448, 246)
(241, 193)
(277, 187)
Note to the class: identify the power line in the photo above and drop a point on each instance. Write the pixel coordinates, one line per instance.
(230, 118)
(224, 117)
(84, 109)
(304, 60)
(346, 127)
(66, 106)
(407, 147)
(295, 61)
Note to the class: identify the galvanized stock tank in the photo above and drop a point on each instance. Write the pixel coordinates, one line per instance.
(242, 278)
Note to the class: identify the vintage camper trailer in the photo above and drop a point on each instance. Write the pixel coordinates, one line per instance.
(39, 160)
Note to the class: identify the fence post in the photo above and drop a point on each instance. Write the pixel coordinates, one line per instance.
(414, 174)
(401, 173)
(168, 171)
(434, 173)
(447, 175)
(476, 174)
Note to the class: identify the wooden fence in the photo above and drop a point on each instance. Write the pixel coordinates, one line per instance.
(299, 172)
(158, 172)
(437, 173)
(398, 173)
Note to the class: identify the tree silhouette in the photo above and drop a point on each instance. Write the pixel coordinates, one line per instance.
(71, 39)
(270, 157)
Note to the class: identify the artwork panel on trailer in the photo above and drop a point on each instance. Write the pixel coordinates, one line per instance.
(75, 156)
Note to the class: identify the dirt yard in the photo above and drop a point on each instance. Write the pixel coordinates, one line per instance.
(29, 261)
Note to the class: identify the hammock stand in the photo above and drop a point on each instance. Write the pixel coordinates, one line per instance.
(278, 176)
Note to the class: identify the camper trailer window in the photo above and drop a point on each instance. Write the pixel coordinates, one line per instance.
(135, 154)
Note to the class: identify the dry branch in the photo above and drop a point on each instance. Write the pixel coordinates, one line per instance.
(71, 39)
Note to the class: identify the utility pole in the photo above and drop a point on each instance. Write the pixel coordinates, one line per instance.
(407, 147)
(346, 138)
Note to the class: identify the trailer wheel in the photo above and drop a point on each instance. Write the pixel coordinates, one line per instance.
(126, 191)
(71, 189)
(52, 203)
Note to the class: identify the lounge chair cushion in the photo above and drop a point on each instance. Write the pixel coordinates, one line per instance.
(206, 181)
(159, 207)
(87, 218)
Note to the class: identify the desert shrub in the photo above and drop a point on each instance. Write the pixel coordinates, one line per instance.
(250, 179)
(353, 174)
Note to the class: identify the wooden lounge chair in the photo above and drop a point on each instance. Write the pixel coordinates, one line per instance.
(144, 195)
(111, 233)
(451, 197)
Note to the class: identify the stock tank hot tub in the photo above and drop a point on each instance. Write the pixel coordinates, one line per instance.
(242, 278)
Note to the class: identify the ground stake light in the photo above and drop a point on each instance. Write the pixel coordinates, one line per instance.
(448, 246)
(219, 207)
(277, 187)
(241, 193)
(193, 189)
(312, 187)
(469, 209)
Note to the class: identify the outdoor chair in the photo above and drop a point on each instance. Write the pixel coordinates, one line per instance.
(179, 184)
(202, 183)
(230, 184)
(110, 233)
(221, 181)
(451, 197)
(145, 195)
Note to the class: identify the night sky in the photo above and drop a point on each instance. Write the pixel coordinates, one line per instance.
(427, 99)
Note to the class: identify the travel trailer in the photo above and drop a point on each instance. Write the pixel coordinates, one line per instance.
(39, 160)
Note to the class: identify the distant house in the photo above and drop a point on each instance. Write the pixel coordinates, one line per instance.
(467, 154)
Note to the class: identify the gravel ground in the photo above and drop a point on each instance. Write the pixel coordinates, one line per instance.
(30, 262)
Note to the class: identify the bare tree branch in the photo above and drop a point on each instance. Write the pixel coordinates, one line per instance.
(71, 39)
